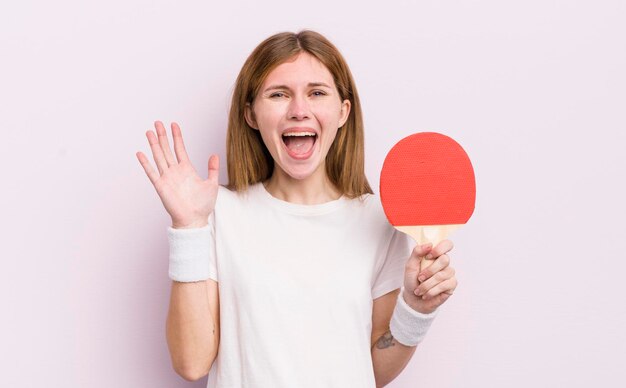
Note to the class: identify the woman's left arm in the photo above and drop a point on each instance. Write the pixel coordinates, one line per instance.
(424, 291)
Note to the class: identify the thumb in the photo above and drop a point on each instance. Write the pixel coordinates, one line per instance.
(214, 167)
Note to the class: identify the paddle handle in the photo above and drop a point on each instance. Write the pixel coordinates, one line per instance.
(428, 234)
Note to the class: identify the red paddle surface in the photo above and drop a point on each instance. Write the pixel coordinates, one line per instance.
(427, 179)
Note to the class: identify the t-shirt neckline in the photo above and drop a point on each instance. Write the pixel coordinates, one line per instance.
(296, 208)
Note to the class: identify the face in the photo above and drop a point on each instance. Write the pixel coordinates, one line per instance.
(298, 112)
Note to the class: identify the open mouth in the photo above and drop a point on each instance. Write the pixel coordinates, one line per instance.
(299, 144)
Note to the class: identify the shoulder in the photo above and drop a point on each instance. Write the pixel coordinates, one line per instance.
(228, 198)
(368, 202)
(223, 191)
(226, 193)
(370, 207)
(224, 196)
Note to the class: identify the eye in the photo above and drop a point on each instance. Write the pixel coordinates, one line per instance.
(277, 94)
(319, 93)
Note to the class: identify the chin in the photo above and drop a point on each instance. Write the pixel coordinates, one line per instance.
(302, 171)
(299, 174)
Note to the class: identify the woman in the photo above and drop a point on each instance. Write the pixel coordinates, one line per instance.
(315, 287)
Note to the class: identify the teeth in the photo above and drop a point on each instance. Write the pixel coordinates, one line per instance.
(299, 134)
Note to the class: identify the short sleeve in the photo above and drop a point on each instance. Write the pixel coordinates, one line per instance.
(192, 255)
(390, 275)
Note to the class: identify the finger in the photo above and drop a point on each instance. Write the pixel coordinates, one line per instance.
(423, 250)
(444, 246)
(214, 167)
(157, 152)
(437, 278)
(443, 297)
(152, 175)
(179, 145)
(440, 263)
(446, 287)
(416, 255)
(164, 143)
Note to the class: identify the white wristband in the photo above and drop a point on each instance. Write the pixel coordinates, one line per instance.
(189, 253)
(408, 326)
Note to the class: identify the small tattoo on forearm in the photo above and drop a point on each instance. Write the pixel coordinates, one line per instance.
(385, 341)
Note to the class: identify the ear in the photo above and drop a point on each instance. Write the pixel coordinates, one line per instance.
(345, 112)
(249, 116)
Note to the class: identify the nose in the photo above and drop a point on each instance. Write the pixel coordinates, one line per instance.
(298, 108)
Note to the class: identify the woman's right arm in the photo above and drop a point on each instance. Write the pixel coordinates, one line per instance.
(192, 326)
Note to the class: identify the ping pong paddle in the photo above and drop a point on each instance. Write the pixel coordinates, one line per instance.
(427, 187)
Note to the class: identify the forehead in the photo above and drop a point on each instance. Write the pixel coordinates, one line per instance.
(302, 69)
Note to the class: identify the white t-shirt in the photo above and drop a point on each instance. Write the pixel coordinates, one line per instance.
(297, 284)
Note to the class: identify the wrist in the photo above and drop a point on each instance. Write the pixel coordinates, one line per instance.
(413, 302)
(409, 326)
(190, 250)
(189, 225)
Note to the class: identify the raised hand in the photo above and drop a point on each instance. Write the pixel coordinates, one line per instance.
(187, 198)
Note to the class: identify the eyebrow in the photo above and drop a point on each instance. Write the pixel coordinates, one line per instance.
(311, 84)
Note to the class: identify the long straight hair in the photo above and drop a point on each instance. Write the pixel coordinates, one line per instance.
(249, 160)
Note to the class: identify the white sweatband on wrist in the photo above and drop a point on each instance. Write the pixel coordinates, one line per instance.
(408, 326)
(189, 253)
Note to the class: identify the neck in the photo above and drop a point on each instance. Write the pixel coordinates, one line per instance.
(312, 190)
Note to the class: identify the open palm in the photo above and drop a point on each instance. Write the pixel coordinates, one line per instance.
(187, 197)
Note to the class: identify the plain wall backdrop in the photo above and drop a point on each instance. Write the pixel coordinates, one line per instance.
(535, 91)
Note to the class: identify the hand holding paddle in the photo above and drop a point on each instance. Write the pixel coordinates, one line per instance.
(187, 198)
(427, 187)
(426, 289)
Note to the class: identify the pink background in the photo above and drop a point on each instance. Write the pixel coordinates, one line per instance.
(534, 91)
